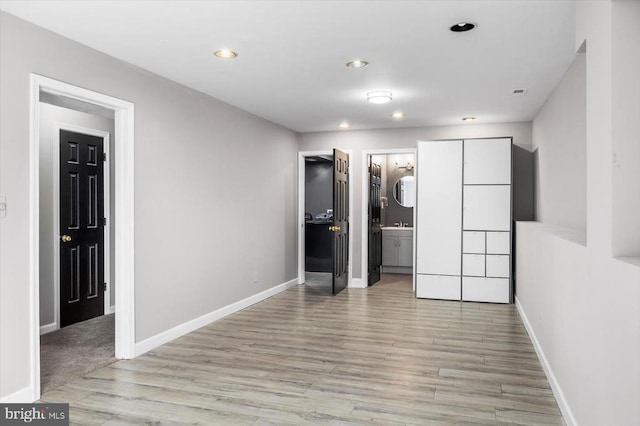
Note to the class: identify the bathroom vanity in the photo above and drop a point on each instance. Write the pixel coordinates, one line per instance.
(397, 250)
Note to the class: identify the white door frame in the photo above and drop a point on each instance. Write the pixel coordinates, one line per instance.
(124, 212)
(105, 136)
(301, 210)
(365, 204)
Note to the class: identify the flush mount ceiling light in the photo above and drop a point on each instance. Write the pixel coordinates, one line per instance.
(225, 54)
(399, 115)
(344, 125)
(357, 63)
(379, 97)
(519, 92)
(461, 27)
(468, 118)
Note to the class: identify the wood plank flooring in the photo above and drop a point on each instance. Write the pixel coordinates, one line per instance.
(365, 356)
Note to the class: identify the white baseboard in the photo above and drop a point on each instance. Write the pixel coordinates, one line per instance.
(189, 326)
(358, 283)
(112, 309)
(555, 386)
(24, 396)
(48, 328)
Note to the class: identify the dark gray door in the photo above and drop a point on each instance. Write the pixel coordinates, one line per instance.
(340, 226)
(81, 227)
(375, 230)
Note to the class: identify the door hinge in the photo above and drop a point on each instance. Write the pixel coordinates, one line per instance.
(104, 286)
(104, 156)
(104, 221)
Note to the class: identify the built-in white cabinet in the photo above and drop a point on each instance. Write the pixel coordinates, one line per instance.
(397, 250)
(463, 220)
(439, 208)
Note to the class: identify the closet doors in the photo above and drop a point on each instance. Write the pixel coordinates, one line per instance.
(439, 220)
(463, 225)
(486, 218)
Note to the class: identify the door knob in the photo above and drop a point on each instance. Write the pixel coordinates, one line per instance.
(65, 238)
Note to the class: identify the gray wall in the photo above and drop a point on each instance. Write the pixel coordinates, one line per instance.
(204, 170)
(49, 115)
(318, 187)
(361, 140)
(559, 135)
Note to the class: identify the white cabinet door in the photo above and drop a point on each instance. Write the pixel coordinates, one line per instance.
(487, 161)
(473, 265)
(405, 251)
(438, 287)
(389, 251)
(439, 208)
(498, 243)
(485, 289)
(487, 207)
(473, 242)
(498, 265)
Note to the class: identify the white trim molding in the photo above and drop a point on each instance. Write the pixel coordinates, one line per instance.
(48, 328)
(124, 211)
(358, 283)
(19, 396)
(567, 414)
(194, 324)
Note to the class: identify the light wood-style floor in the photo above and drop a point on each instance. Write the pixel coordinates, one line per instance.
(365, 356)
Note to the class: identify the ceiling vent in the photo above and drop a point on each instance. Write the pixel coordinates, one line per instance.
(519, 92)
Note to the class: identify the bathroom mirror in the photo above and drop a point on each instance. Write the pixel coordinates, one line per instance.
(403, 191)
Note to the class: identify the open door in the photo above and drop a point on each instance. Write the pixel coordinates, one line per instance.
(82, 225)
(340, 226)
(375, 231)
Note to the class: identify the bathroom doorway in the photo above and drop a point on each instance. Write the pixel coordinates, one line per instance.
(388, 213)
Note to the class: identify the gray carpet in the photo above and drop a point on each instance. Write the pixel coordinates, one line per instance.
(76, 350)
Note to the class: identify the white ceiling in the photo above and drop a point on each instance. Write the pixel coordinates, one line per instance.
(292, 54)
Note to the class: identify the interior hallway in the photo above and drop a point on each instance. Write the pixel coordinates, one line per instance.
(365, 355)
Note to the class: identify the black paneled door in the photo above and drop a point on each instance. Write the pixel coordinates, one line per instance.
(340, 226)
(81, 227)
(375, 230)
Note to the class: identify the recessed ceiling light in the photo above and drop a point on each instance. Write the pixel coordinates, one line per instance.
(225, 54)
(344, 125)
(519, 92)
(357, 63)
(399, 115)
(468, 118)
(461, 27)
(379, 97)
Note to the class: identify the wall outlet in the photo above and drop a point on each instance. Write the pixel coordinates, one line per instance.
(255, 277)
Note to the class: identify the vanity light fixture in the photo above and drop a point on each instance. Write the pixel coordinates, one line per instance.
(407, 167)
(357, 63)
(379, 97)
(461, 27)
(225, 54)
(344, 125)
(468, 118)
(399, 115)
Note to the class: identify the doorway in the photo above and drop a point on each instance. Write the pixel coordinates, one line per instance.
(324, 205)
(123, 113)
(388, 213)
